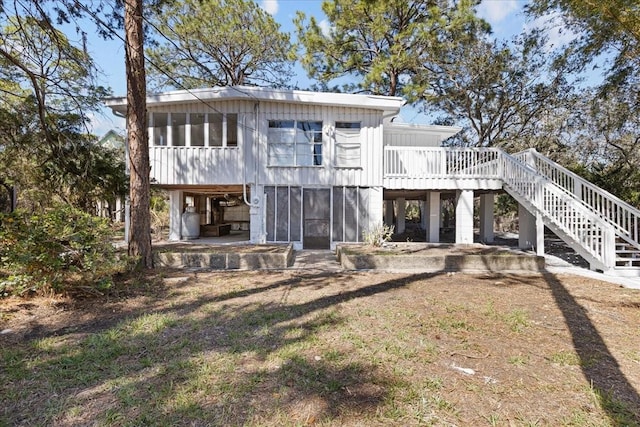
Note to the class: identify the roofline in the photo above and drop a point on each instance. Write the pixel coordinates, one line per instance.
(390, 104)
(447, 130)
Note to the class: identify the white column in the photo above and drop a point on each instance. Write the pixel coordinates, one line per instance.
(400, 213)
(464, 217)
(127, 219)
(530, 231)
(119, 215)
(176, 206)
(486, 218)
(424, 215)
(539, 235)
(434, 216)
(375, 208)
(257, 215)
(388, 212)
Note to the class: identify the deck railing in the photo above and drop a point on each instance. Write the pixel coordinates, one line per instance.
(622, 215)
(437, 162)
(595, 236)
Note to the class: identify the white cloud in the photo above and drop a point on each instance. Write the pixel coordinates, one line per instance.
(325, 27)
(495, 11)
(270, 6)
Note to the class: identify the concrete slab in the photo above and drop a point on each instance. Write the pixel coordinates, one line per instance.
(225, 257)
(433, 257)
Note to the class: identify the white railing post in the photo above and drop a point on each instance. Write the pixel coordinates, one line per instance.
(609, 248)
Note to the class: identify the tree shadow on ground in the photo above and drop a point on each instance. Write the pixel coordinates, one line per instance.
(617, 397)
(215, 360)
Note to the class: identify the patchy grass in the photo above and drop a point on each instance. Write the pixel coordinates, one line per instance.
(291, 348)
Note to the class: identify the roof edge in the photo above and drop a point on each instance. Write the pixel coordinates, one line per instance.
(376, 102)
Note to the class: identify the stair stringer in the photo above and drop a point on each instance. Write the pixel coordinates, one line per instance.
(566, 176)
(594, 262)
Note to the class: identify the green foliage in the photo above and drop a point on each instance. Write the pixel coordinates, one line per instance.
(384, 42)
(61, 250)
(412, 211)
(604, 27)
(501, 92)
(217, 43)
(49, 91)
(378, 235)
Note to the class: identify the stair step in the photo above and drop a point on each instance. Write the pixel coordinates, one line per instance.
(629, 262)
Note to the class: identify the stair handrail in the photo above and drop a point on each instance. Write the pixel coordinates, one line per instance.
(602, 250)
(629, 227)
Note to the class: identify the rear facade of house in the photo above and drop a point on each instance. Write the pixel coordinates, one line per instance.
(316, 169)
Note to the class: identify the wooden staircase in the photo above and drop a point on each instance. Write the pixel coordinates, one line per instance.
(621, 218)
(627, 255)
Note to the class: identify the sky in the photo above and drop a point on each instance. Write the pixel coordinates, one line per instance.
(505, 16)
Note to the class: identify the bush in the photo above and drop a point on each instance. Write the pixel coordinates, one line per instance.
(378, 235)
(61, 250)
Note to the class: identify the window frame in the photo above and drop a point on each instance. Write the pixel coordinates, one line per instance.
(340, 128)
(294, 141)
(169, 132)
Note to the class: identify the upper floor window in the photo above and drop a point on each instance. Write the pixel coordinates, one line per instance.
(194, 129)
(159, 128)
(197, 122)
(295, 143)
(178, 129)
(223, 127)
(347, 144)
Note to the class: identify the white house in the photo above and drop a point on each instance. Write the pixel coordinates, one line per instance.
(316, 169)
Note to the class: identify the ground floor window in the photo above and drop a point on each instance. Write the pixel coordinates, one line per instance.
(294, 214)
(350, 213)
(284, 210)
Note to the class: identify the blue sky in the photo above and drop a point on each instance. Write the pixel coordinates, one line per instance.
(505, 17)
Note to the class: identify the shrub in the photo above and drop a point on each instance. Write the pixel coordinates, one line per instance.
(60, 250)
(378, 235)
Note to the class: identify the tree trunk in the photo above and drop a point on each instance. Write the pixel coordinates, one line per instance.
(140, 228)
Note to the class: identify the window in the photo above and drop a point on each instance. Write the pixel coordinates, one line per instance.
(223, 127)
(178, 129)
(232, 130)
(194, 129)
(160, 122)
(197, 129)
(215, 130)
(295, 143)
(347, 144)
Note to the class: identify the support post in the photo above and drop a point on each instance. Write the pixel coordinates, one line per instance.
(400, 214)
(434, 216)
(424, 215)
(539, 235)
(388, 212)
(176, 207)
(486, 218)
(127, 218)
(530, 230)
(464, 216)
(258, 215)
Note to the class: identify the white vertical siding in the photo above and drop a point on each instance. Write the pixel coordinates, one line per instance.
(368, 174)
(408, 138)
(219, 165)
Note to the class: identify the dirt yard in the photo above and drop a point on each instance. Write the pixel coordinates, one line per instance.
(311, 348)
